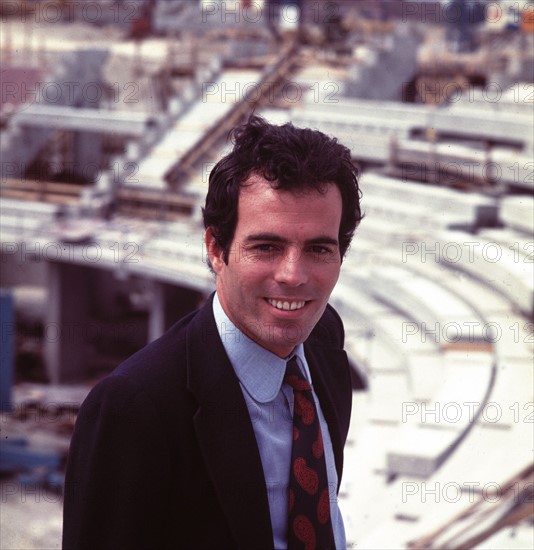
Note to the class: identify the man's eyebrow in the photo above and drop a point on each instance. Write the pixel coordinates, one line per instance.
(273, 237)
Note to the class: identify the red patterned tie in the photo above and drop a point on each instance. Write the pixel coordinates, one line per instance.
(310, 526)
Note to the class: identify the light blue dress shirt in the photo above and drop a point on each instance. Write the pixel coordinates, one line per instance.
(270, 405)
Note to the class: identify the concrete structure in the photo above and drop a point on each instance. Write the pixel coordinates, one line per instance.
(65, 87)
(382, 71)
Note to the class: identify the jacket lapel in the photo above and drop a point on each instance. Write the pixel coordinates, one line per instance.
(329, 370)
(226, 436)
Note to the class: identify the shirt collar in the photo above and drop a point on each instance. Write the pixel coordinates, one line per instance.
(260, 371)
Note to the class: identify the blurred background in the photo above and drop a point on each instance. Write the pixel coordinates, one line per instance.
(113, 114)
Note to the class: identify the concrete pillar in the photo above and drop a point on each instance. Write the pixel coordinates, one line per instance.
(170, 303)
(87, 149)
(7, 328)
(66, 323)
(156, 317)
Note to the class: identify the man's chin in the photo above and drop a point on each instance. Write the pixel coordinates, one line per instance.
(284, 340)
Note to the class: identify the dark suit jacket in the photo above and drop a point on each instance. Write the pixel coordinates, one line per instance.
(164, 454)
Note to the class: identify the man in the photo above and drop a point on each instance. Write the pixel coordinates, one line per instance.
(190, 442)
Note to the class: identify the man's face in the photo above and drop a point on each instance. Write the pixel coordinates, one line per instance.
(283, 263)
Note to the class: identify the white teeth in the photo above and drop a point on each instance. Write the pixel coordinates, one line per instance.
(286, 306)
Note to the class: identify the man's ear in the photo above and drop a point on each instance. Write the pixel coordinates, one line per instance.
(215, 253)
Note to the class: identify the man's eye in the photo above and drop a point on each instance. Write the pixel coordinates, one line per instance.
(320, 250)
(262, 250)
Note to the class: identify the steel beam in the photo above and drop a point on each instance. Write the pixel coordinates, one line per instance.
(102, 121)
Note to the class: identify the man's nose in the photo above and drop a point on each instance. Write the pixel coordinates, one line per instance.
(291, 269)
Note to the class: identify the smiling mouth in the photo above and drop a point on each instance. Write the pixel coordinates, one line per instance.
(285, 305)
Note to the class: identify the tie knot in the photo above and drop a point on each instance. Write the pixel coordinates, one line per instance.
(295, 378)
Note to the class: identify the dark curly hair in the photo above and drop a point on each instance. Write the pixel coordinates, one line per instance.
(292, 159)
